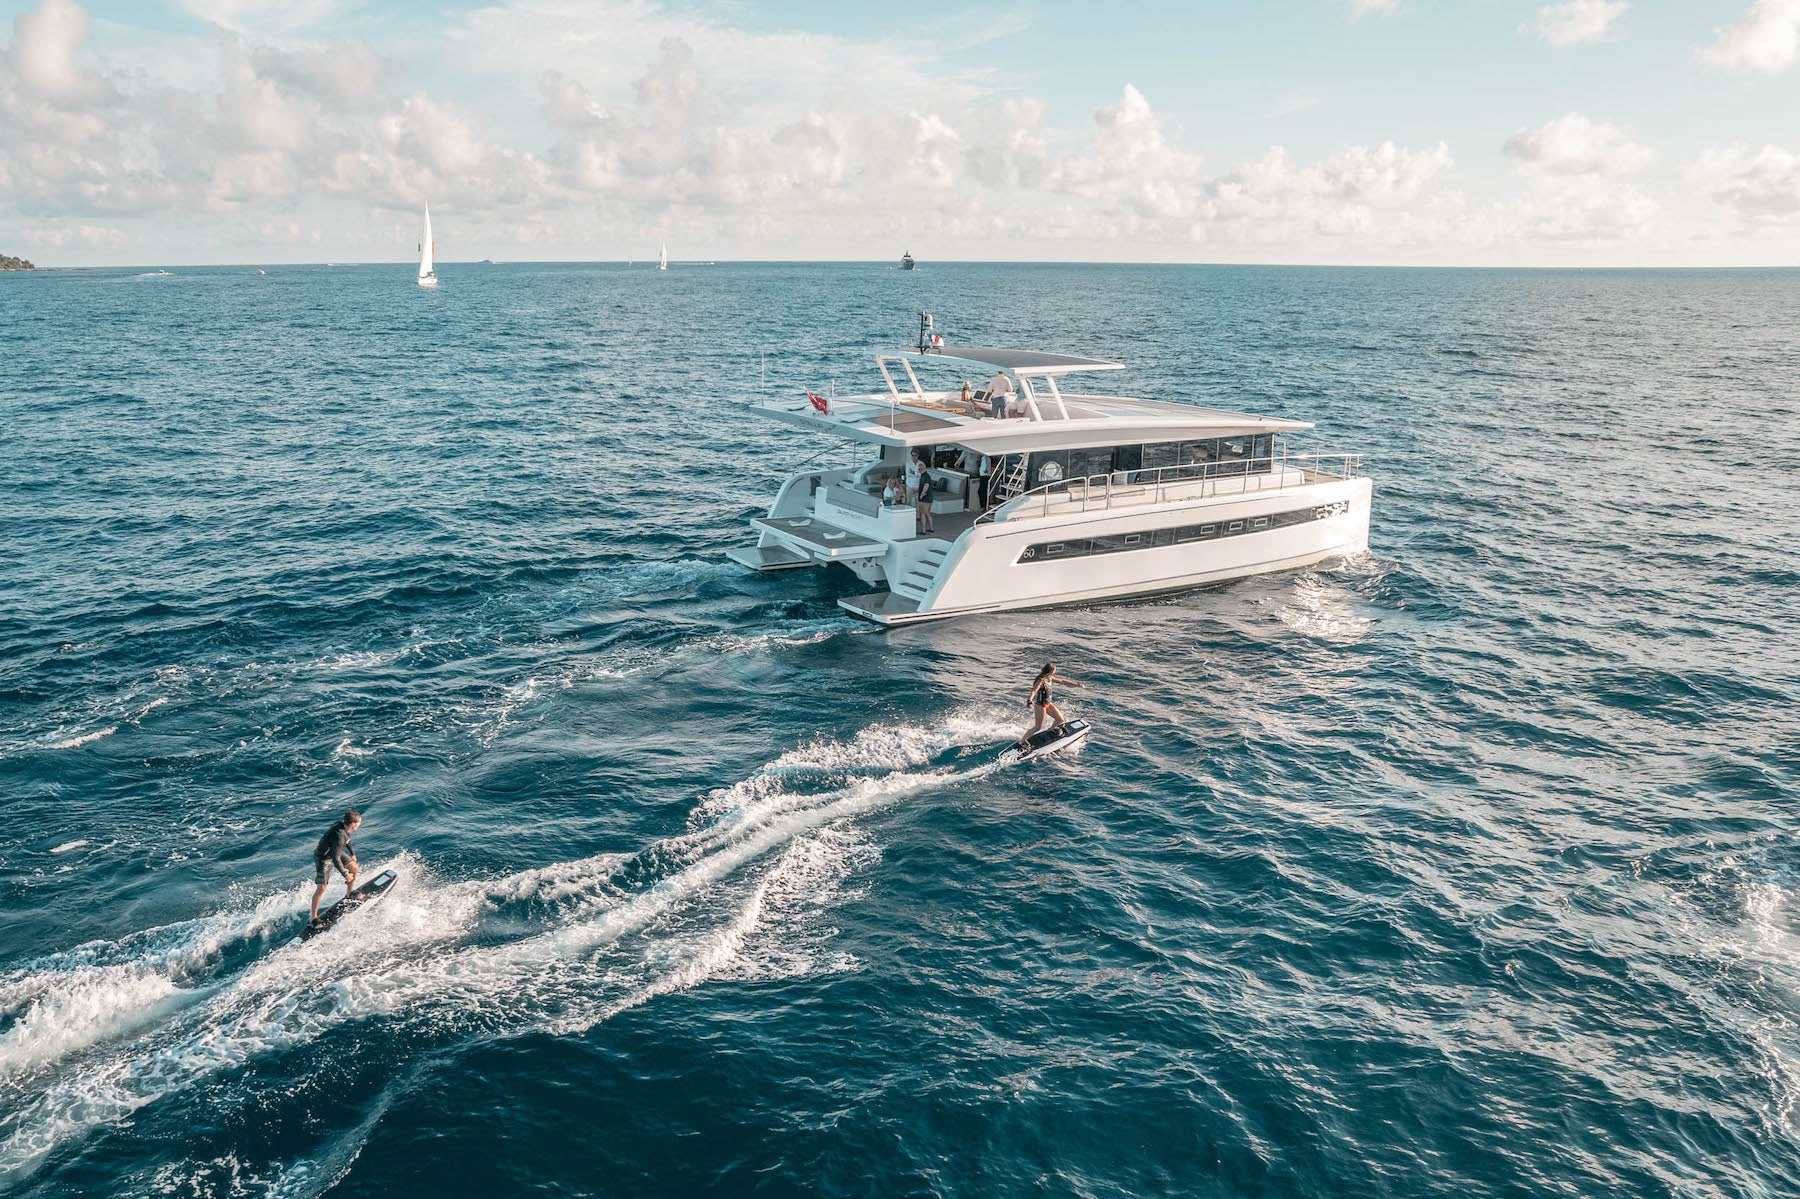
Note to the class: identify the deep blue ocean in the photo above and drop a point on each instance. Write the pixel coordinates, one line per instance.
(1465, 868)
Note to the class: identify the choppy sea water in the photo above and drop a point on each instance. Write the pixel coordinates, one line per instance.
(1467, 867)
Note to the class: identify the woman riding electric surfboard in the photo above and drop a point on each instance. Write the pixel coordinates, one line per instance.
(1043, 700)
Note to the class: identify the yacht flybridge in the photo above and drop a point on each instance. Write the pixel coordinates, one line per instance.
(1049, 496)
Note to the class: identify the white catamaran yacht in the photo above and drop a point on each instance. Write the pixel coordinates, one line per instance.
(1069, 497)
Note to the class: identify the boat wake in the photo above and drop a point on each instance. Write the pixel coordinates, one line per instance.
(98, 1034)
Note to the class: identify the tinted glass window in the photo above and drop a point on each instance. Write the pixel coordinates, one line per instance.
(1052, 467)
(1083, 463)
(1128, 457)
(1200, 452)
(1261, 449)
(1126, 542)
(1161, 453)
(1233, 453)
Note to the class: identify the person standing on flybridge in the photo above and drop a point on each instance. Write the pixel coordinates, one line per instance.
(999, 390)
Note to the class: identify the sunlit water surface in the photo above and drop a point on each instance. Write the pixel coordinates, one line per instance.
(1464, 868)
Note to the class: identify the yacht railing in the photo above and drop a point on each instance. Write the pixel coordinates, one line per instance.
(1240, 476)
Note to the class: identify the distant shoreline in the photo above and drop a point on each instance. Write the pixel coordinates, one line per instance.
(9, 263)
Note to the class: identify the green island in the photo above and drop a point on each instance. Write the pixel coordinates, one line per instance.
(9, 263)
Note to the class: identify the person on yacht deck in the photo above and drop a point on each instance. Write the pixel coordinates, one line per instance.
(969, 463)
(968, 401)
(893, 492)
(999, 392)
(915, 466)
(926, 491)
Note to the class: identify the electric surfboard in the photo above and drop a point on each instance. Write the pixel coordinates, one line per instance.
(1048, 741)
(362, 897)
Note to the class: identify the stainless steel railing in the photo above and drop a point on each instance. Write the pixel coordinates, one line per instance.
(1241, 476)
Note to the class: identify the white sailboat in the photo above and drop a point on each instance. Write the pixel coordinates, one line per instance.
(662, 259)
(427, 276)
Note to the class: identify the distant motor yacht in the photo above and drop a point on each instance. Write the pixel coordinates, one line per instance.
(1087, 496)
(906, 261)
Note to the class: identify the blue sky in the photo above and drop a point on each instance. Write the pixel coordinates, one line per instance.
(1484, 132)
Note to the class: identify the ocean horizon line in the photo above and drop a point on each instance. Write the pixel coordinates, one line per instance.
(252, 264)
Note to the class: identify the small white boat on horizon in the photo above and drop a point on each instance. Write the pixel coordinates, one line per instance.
(662, 259)
(427, 275)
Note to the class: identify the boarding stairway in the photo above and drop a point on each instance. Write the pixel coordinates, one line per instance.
(920, 576)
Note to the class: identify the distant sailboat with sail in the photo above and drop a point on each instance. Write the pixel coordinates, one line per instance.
(662, 259)
(427, 276)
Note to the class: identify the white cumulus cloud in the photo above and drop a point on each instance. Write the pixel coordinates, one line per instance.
(1767, 39)
(595, 128)
(1576, 145)
(45, 54)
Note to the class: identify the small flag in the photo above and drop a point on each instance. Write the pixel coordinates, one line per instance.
(819, 402)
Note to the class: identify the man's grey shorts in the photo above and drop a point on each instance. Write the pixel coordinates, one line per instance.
(322, 869)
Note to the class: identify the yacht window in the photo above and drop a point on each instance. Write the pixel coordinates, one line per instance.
(1160, 453)
(1263, 454)
(1087, 463)
(1197, 454)
(1128, 457)
(1119, 543)
(1234, 452)
(1048, 468)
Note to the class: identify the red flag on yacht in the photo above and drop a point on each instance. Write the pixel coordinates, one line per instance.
(819, 402)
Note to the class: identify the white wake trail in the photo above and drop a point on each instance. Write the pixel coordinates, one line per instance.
(405, 966)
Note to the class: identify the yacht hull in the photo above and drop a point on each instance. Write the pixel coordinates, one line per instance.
(1002, 566)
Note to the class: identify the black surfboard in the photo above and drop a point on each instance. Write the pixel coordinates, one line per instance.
(1048, 741)
(363, 896)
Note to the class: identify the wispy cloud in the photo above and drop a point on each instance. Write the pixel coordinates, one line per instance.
(1759, 185)
(1576, 22)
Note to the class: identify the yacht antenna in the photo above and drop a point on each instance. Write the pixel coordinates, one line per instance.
(924, 332)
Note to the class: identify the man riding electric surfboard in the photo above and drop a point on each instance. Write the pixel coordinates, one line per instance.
(335, 851)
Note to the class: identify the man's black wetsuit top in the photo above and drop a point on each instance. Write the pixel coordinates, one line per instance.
(335, 848)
